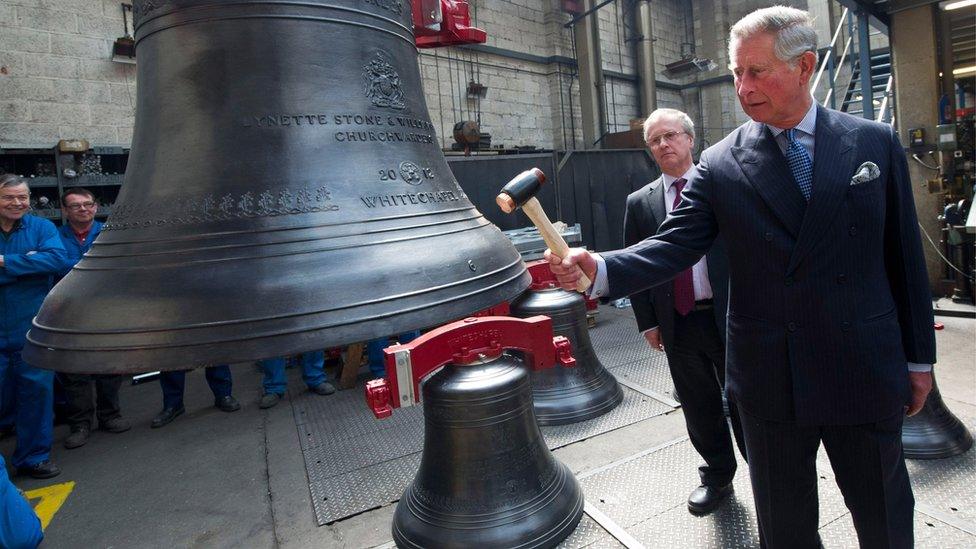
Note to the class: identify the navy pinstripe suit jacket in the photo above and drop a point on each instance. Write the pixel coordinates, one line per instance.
(829, 299)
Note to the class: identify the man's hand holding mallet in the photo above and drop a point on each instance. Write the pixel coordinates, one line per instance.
(520, 193)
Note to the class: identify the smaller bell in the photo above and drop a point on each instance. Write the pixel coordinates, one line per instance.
(934, 432)
(487, 478)
(566, 395)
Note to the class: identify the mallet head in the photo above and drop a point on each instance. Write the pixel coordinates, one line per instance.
(521, 188)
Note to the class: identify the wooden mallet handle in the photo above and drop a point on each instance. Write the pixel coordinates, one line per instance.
(551, 236)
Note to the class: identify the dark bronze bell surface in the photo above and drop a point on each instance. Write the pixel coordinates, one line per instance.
(285, 192)
(487, 478)
(568, 395)
(934, 432)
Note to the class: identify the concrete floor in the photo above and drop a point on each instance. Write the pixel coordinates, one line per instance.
(212, 479)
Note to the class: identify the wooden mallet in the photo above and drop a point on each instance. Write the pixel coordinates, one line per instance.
(520, 193)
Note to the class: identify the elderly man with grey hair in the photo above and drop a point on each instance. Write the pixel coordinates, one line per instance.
(830, 327)
(686, 317)
(30, 254)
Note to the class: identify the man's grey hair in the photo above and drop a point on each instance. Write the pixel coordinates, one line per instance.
(793, 29)
(11, 180)
(671, 114)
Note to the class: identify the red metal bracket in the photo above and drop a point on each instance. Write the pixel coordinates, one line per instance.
(463, 342)
(542, 276)
(438, 23)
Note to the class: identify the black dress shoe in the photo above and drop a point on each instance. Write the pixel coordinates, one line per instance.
(44, 469)
(227, 404)
(166, 416)
(705, 499)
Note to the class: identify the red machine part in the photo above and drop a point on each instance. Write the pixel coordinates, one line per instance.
(542, 276)
(462, 342)
(502, 309)
(438, 23)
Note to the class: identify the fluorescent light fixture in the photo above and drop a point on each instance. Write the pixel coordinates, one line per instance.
(964, 70)
(960, 4)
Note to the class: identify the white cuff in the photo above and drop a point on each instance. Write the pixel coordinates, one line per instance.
(600, 286)
(913, 367)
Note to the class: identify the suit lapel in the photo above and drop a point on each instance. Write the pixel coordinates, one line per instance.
(832, 170)
(767, 171)
(656, 197)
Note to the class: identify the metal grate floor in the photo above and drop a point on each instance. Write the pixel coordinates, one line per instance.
(356, 463)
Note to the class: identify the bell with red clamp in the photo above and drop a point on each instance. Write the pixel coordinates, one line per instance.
(487, 478)
(563, 395)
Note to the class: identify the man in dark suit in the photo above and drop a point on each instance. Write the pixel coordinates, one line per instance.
(686, 318)
(830, 336)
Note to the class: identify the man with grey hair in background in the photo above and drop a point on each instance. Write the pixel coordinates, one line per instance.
(830, 326)
(686, 318)
(31, 253)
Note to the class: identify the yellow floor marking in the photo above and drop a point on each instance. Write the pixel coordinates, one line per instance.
(51, 499)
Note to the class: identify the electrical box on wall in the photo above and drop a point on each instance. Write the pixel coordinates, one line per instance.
(947, 137)
(916, 137)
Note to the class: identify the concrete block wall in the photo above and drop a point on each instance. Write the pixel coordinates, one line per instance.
(57, 79)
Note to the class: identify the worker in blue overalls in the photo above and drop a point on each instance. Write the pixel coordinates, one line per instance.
(275, 383)
(31, 253)
(77, 235)
(19, 526)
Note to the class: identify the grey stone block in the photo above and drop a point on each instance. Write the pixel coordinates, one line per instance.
(14, 111)
(51, 66)
(123, 94)
(96, 135)
(114, 115)
(59, 113)
(81, 46)
(105, 70)
(47, 20)
(88, 7)
(82, 92)
(11, 63)
(25, 40)
(44, 135)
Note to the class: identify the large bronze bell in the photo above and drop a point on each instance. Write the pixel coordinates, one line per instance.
(566, 395)
(285, 192)
(487, 478)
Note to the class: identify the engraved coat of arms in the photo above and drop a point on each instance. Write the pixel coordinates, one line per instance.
(382, 83)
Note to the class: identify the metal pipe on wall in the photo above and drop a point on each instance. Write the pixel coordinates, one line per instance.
(645, 59)
(586, 35)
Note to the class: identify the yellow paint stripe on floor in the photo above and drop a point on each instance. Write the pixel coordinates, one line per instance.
(51, 498)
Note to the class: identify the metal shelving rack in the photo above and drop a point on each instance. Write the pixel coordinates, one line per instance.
(50, 171)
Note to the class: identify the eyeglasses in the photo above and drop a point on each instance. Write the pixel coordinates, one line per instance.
(77, 207)
(670, 137)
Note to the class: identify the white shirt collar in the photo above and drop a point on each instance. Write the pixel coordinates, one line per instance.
(669, 180)
(808, 125)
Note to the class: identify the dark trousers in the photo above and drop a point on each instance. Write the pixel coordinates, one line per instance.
(869, 467)
(173, 383)
(79, 407)
(697, 362)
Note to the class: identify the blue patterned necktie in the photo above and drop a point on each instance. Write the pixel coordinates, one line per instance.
(800, 163)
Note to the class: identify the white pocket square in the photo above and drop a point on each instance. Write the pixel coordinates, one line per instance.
(865, 172)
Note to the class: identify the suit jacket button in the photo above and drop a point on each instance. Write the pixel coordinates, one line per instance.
(789, 281)
(768, 237)
(841, 278)
(846, 325)
(791, 327)
(852, 230)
